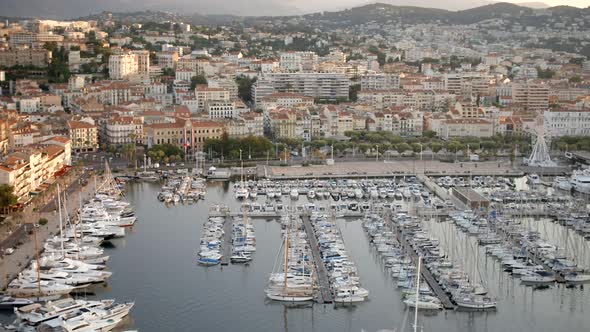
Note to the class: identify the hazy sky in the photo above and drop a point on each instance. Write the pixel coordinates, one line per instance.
(576, 3)
(325, 4)
(77, 8)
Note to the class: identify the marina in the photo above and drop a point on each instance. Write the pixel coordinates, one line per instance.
(72, 263)
(275, 214)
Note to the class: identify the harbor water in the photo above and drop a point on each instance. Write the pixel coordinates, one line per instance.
(155, 266)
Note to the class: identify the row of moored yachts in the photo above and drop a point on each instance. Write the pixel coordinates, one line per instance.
(397, 258)
(392, 189)
(521, 251)
(184, 189)
(342, 272)
(243, 239)
(69, 264)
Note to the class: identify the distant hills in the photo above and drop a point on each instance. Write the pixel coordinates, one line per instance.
(374, 12)
(381, 13)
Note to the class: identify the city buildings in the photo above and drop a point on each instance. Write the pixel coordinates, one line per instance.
(129, 64)
(83, 136)
(25, 57)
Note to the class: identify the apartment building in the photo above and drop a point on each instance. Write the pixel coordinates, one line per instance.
(21, 38)
(4, 136)
(564, 122)
(532, 95)
(167, 59)
(380, 81)
(328, 86)
(25, 57)
(253, 122)
(121, 130)
(283, 99)
(282, 123)
(228, 84)
(29, 104)
(29, 169)
(431, 100)
(83, 136)
(298, 61)
(217, 109)
(204, 94)
(468, 83)
(123, 66)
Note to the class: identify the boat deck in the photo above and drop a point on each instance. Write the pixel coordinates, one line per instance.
(322, 274)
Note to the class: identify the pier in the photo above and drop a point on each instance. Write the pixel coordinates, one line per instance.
(227, 239)
(322, 274)
(530, 254)
(277, 215)
(426, 275)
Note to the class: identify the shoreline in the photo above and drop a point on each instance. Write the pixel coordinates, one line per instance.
(11, 265)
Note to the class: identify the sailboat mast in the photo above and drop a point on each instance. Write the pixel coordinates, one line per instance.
(417, 294)
(245, 223)
(286, 258)
(61, 234)
(37, 258)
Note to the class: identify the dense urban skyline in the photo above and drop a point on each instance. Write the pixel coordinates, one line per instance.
(369, 163)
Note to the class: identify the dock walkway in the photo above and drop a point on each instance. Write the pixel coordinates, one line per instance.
(426, 275)
(227, 239)
(530, 255)
(322, 274)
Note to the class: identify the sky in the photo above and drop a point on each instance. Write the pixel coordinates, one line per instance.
(307, 5)
(575, 3)
(77, 8)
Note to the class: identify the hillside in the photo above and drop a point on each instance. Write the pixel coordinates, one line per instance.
(381, 13)
(377, 13)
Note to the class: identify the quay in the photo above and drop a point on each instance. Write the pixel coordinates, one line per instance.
(227, 238)
(446, 301)
(325, 293)
(277, 215)
(388, 169)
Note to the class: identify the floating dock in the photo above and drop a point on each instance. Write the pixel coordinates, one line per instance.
(532, 256)
(277, 215)
(322, 274)
(426, 275)
(227, 238)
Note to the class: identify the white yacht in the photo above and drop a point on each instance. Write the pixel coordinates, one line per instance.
(533, 179)
(562, 183)
(581, 182)
(242, 193)
(27, 288)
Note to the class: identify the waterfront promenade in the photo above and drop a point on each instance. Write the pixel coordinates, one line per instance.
(11, 265)
(384, 168)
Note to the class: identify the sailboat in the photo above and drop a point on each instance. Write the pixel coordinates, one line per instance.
(287, 288)
(242, 192)
(419, 302)
(243, 242)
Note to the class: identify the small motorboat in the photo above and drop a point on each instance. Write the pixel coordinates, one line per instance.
(8, 302)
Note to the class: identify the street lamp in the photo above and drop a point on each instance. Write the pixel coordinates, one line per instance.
(377, 156)
(422, 162)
